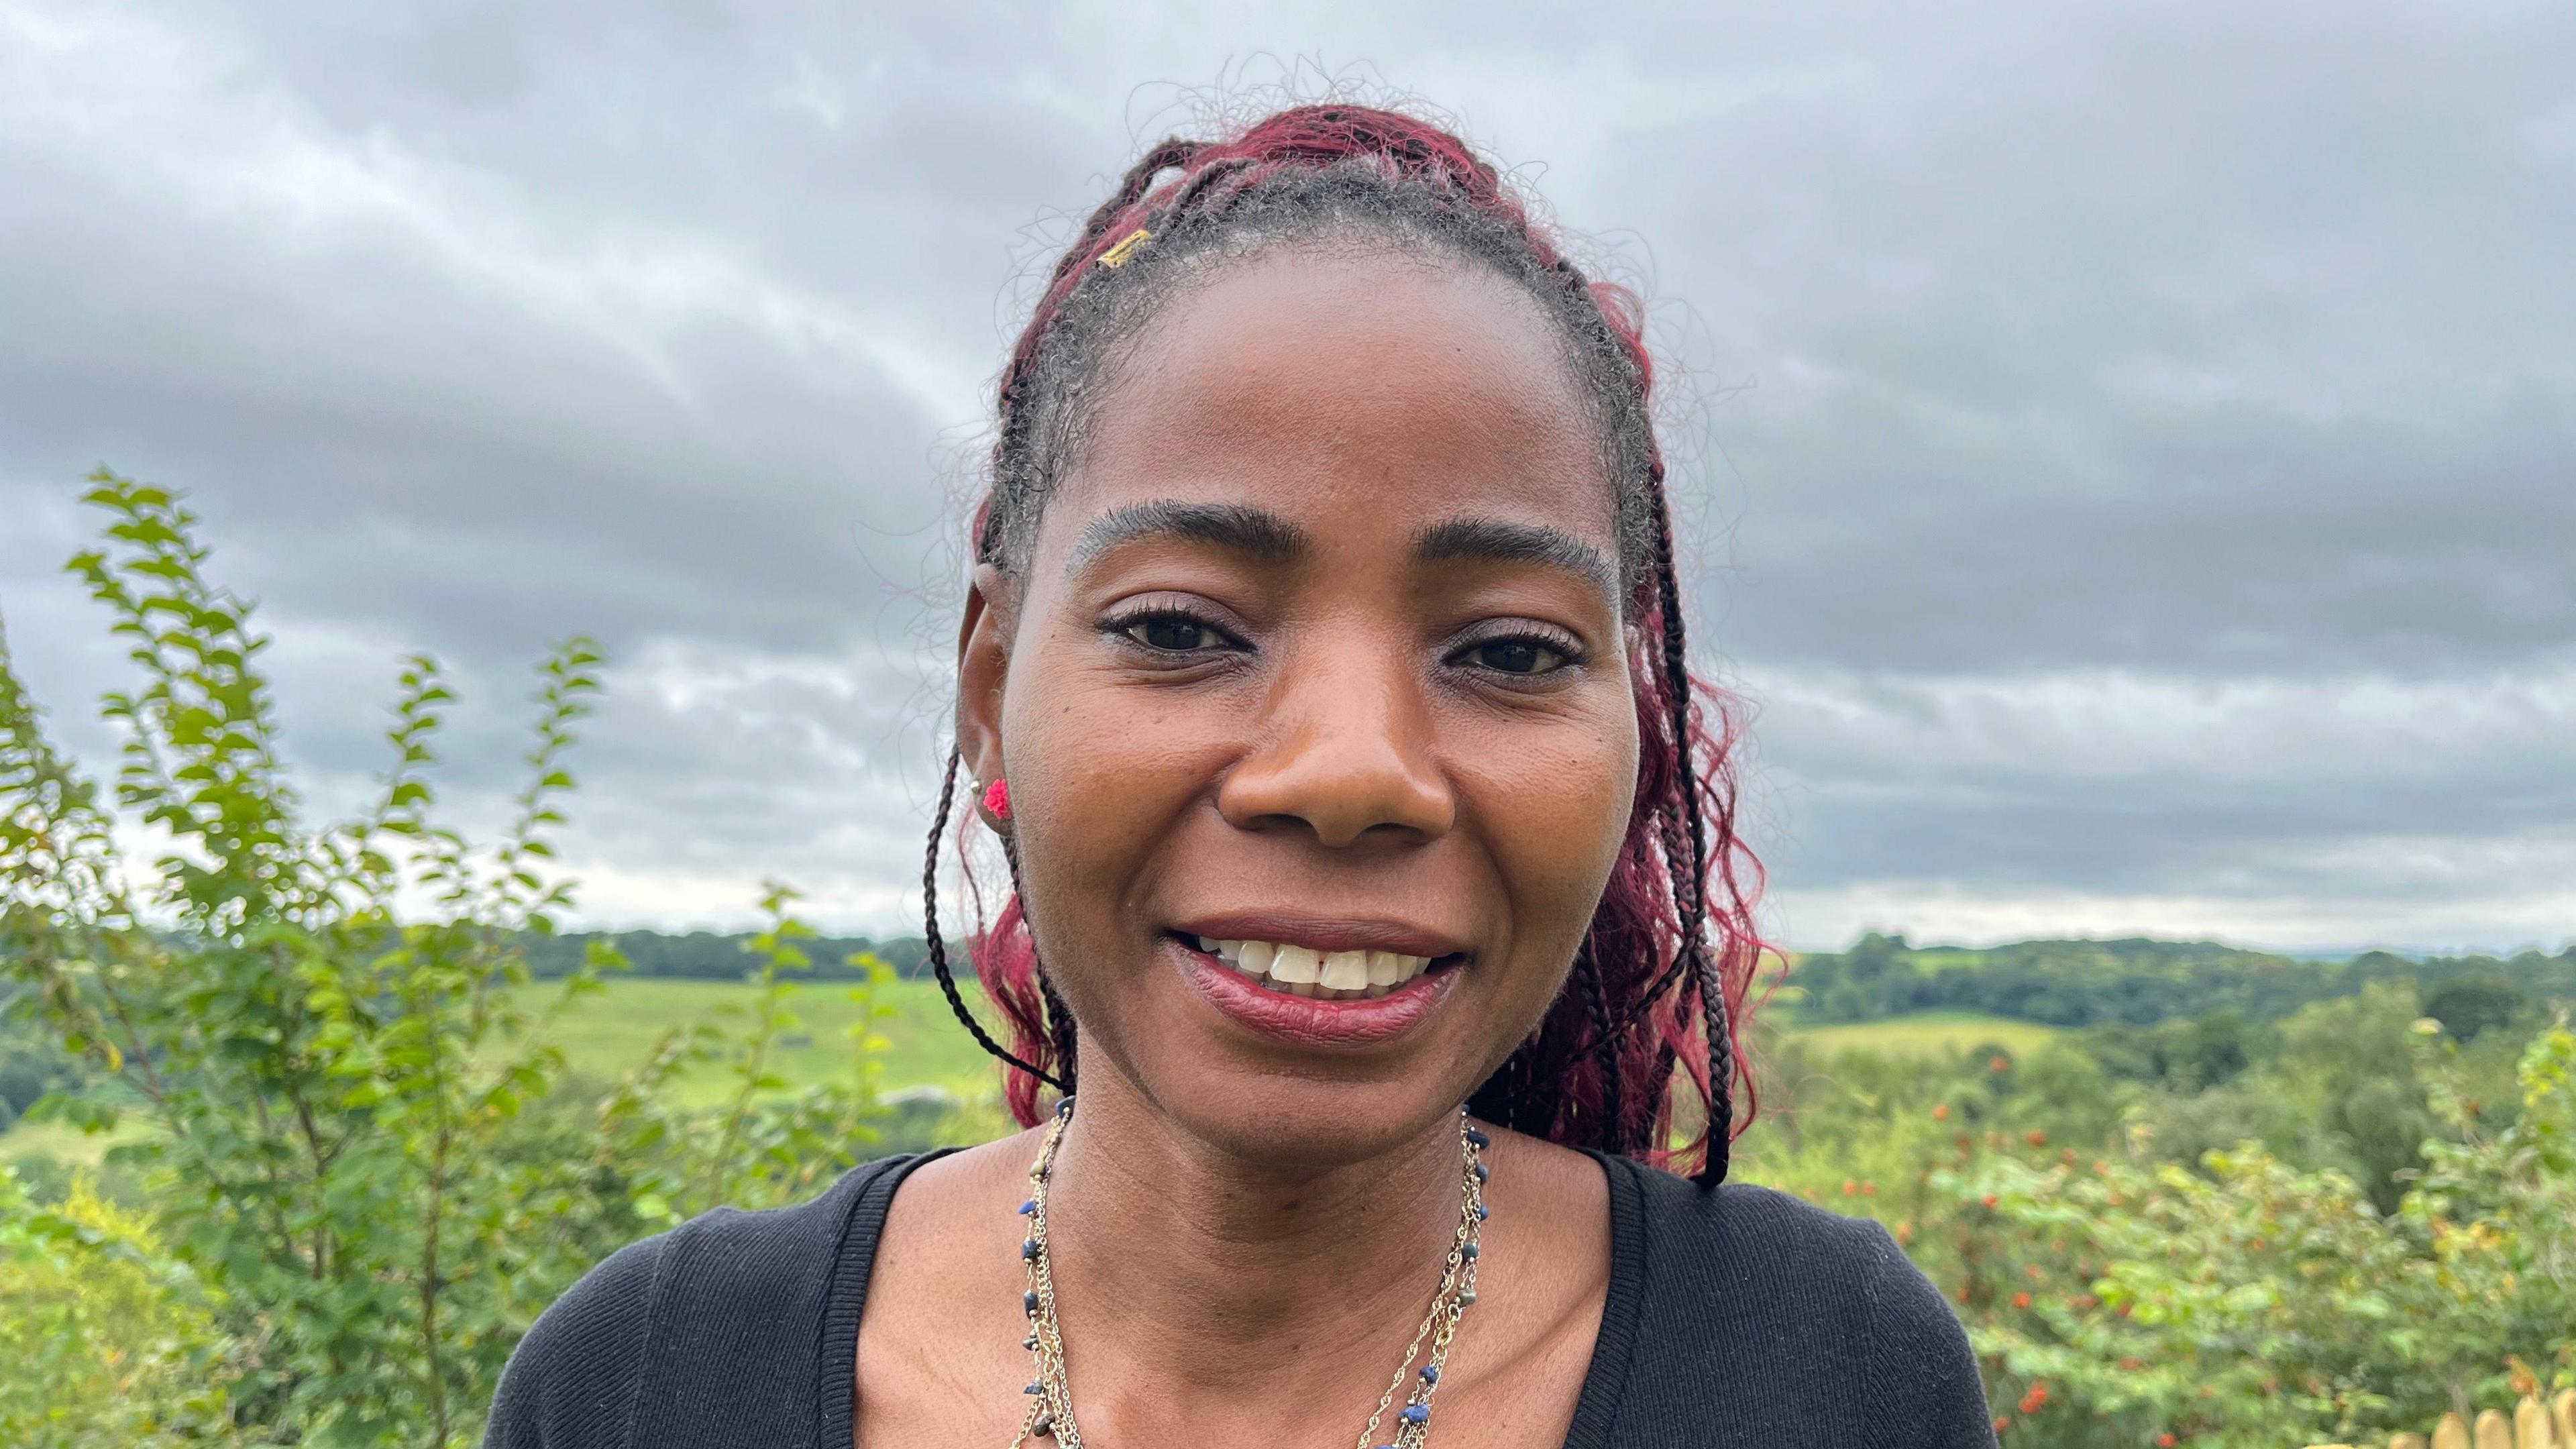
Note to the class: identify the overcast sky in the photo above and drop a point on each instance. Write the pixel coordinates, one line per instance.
(2130, 450)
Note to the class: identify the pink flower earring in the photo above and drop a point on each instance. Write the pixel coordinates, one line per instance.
(997, 799)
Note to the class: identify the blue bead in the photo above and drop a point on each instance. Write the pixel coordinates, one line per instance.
(1478, 1139)
(1029, 1249)
(1034, 1388)
(1416, 1413)
(1064, 1108)
(1431, 1373)
(1481, 1214)
(1468, 1252)
(1029, 1300)
(1482, 1175)
(1029, 1208)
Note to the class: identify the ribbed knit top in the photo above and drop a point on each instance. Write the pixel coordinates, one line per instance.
(1737, 1316)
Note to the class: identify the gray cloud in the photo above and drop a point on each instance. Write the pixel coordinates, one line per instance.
(2129, 454)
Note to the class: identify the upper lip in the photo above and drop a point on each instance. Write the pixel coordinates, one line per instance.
(1323, 933)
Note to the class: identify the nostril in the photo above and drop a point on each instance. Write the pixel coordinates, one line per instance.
(1348, 784)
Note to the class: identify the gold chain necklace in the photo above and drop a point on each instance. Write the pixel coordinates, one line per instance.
(1050, 1414)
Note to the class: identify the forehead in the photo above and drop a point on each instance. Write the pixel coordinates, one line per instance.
(1319, 381)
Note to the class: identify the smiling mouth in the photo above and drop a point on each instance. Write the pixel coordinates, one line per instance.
(1293, 970)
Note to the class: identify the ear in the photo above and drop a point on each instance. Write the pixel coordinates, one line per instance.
(983, 664)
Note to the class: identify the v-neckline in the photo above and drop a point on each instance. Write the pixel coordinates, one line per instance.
(1605, 1378)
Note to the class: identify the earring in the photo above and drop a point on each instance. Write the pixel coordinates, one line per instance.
(997, 799)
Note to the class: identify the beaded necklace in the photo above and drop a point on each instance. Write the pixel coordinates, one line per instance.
(1050, 1394)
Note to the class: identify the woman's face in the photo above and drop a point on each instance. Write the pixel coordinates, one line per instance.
(1318, 656)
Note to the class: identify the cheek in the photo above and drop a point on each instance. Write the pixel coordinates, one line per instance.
(1098, 773)
(1555, 811)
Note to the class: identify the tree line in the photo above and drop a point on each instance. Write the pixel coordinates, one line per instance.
(2141, 982)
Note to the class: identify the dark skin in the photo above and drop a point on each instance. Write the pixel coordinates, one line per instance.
(1326, 625)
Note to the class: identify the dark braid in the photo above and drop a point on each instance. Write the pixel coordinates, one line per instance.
(1060, 1033)
(1058, 1016)
(1605, 1050)
(1692, 947)
(938, 948)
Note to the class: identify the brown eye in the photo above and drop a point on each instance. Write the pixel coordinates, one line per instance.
(1516, 656)
(1172, 633)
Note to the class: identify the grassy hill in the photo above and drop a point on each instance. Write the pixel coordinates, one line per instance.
(2129, 982)
(1929, 1034)
(606, 1034)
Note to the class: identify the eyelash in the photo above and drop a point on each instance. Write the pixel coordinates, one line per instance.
(1568, 651)
(1124, 626)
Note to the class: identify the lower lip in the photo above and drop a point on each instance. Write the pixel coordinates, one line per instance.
(1311, 1021)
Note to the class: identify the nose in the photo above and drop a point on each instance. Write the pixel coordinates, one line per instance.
(1345, 752)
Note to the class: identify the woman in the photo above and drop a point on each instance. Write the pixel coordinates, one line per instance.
(1322, 676)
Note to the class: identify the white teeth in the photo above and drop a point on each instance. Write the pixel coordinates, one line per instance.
(1324, 975)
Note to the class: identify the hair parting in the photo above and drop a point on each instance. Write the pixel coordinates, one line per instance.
(1656, 996)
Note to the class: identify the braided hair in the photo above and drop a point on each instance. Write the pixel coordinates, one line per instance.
(1656, 998)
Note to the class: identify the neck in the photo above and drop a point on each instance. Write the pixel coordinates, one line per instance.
(1187, 1271)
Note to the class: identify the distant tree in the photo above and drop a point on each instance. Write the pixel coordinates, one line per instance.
(2468, 1005)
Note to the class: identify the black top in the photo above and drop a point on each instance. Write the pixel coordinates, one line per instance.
(1739, 1317)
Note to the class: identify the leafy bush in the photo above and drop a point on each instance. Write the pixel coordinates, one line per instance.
(359, 1142)
(2265, 1306)
(2123, 1286)
(108, 1340)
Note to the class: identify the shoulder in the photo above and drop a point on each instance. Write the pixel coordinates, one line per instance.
(1801, 1306)
(730, 1304)
(1741, 1236)
(571, 1382)
(1738, 1237)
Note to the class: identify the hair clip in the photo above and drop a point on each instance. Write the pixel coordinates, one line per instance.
(1117, 256)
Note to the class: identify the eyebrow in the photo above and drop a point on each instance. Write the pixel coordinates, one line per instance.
(1494, 540)
(1266, 536)
(1234, 526)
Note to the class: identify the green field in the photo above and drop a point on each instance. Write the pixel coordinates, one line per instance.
(1926, 1034)
(603, 1035)
(610, 1032)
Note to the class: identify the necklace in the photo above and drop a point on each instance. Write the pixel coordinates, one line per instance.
(1050, 1394)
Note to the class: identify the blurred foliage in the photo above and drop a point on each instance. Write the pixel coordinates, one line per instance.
(2205, 1233)
(367, 1168)
(107, 1339)
(716, 956)
(2138, 982)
